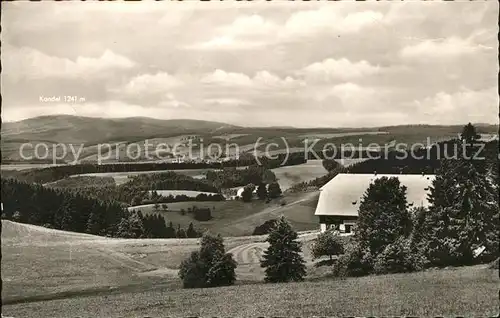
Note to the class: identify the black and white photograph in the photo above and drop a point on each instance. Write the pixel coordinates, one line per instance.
(249, 159)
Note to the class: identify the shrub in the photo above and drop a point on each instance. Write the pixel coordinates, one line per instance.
(327, 243)
(203, 214)
(17, 217)
(265, 228)
(356, 261)
(494, 264)
(397, 258)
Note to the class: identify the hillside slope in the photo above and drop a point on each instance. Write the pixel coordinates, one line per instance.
(75, 129)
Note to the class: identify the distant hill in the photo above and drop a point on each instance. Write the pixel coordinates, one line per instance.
(75, 129)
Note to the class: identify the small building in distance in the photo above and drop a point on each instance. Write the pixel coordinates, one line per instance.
(340, 198)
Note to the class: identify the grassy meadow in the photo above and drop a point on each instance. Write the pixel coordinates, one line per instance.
(237, 218)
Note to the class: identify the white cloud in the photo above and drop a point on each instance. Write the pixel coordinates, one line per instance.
(254, 31)
(262, 79)
(331, 69)
(29, 63)
(147, 84)
(312, 22)
(249, 25)
(225, 43)
(227, 101)
(462, 106)
(441, 49)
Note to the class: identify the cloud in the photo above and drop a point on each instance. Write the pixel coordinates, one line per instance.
(441, 49)
(225, 43)
(463, 106)
(331, 69)
(148, 84)
(170, 101)
(249, 25)
(262, 79)
(254, 31)
(26, 62)
(227, 101)
(312, 22)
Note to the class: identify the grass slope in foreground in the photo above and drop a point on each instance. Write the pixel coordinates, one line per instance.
(467, 291)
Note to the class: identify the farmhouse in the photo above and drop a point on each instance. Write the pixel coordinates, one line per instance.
(340, 198)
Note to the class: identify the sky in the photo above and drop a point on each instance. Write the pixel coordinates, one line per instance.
(302, 64)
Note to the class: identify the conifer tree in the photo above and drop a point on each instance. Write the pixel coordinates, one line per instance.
(262, 191)
(170, 233)
(282, 260)
(274, 190)
(463, 215)
(191, 232)
(383, 215)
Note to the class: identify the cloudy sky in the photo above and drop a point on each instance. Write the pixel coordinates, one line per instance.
(254, 64)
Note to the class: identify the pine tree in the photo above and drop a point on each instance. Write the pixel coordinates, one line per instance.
(469, 134)
(191, 232)
(282, 259)
(180, 233)
(262, 191)
(383, 215)
(463, 215)
(274, 190)
(170, 232)
(247, 194)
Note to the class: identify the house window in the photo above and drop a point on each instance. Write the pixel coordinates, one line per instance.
(348, 228)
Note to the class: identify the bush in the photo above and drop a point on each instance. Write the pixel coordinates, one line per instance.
(247, 193)
(398, 258)
(203, 214)
(265, 228)
(356, 261)
(327, 243)
(494, 264)
(210, 266)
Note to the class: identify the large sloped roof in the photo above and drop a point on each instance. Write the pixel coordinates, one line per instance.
(342, 195)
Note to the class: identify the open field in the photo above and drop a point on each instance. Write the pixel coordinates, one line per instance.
(237, 218)
(50, 273)
(122, 177)
(45, 263)
(290, 175)
(188, 193)
(88, 132)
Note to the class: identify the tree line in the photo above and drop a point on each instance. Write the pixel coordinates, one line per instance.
(51, 174)
(71, 211)
(232, 177)
(460, 227)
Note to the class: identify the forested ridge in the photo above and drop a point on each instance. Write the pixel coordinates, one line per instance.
(51, 174)
(74, 211)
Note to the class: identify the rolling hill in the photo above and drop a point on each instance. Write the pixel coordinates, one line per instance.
(49, 273)
(75, 129)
